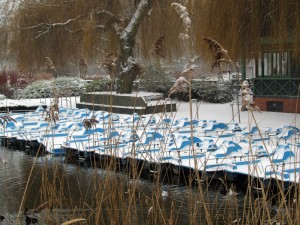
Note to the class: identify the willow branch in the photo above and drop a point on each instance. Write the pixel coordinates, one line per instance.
(46, 27)
(62, 4)
(106, 14)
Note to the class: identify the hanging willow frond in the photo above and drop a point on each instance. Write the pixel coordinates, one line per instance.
(109, 63)
(157, 47)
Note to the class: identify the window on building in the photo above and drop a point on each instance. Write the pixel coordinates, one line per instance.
(274, 64)
(295, 68)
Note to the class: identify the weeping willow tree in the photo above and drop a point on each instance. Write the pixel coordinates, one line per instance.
(64, 30)
(6, 11)
(242, 27)
(129, 29)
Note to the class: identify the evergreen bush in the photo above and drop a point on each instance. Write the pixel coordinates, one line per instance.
(156, 79)
(211, 92)
(62, 86)
(99, 85)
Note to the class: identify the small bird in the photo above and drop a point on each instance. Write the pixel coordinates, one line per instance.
(1, 218)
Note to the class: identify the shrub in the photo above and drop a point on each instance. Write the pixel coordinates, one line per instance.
(99, 85)
(62, 86)
(156, 79)
(218, 96)
(211, 92)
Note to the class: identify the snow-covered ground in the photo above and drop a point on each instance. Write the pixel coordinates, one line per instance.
(225, 112)
(208, 111)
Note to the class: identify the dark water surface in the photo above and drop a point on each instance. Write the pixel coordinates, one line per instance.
(68, 181)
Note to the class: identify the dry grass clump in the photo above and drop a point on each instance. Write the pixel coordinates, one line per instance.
(117, 201)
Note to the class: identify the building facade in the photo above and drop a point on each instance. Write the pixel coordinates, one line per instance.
(276, 84)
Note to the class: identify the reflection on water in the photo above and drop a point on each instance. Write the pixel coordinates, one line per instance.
(15, 169)
(51, 176)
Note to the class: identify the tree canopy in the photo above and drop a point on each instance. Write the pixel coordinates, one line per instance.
(64, 30)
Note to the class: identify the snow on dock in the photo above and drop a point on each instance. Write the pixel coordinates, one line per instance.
(210, 147)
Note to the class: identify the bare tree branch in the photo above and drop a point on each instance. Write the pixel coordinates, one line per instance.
(62, 4)
(74, 31)
(48, 6)
(46, 27)
(112, 17)
(113, 21)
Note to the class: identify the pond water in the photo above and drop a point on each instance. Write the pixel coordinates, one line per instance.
(80, 185)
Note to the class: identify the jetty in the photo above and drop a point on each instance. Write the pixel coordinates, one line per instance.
(160, 144)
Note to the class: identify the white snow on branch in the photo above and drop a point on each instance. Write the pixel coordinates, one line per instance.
(129, 63)
(143, 8)
(46, 27)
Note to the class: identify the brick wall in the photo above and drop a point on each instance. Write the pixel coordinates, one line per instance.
(278, 104)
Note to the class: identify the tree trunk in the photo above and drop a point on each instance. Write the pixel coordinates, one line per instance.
(126, 65)
(126, 83)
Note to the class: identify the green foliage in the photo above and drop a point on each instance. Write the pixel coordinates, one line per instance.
(218, 95)
(99, 85)
(211, 92)
(182, 96)
(156, 79)
(62, 86)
